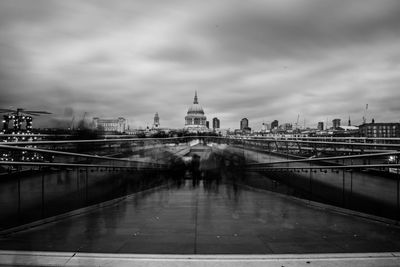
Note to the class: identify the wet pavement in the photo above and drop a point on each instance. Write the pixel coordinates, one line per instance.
(356, 190)
(24, 199)
(207, 217)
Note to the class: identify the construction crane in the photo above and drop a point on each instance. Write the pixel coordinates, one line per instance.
(18, 116)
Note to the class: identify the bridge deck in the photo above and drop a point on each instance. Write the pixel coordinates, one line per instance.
(208, 218)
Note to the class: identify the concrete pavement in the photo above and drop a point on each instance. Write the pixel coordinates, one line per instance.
(205, 217)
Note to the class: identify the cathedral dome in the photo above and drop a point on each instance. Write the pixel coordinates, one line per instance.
(195, 119)
(195, 109)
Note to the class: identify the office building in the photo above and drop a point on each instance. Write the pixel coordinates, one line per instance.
(320, 126)
(110, 125)
(244, 123)
(274, 124)
(335, 123)
(286, 127)
(375, 130)
(215, 123)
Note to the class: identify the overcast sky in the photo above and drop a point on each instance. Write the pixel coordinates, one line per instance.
(263, 60)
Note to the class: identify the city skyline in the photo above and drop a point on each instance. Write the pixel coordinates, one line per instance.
(262, 60)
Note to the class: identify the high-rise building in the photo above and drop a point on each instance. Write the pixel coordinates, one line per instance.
(244, 123)
(208, 124)
(156, 123)
(320, 126)
(274, 124)
(335, 123)
(215, 123)
(17, 121)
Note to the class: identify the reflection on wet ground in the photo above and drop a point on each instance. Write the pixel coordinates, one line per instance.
(41, 195)
(208, 216)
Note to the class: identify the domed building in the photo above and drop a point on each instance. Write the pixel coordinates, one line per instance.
(195, 120)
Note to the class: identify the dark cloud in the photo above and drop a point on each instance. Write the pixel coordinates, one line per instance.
(263, 60)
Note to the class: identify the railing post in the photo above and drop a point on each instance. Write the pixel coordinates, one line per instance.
(77, 183)
(343, 184)
(287, 150)
(310, 182)
(351, 185)
(87, 186)
(19, 197)
(42, 194)
(244, 156)
(398, 188)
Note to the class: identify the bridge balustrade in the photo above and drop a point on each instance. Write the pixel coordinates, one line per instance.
(310, 165)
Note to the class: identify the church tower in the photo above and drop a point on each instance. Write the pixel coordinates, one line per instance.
(156, 123)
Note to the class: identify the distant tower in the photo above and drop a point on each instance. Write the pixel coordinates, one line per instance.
(215, 123)
(244, 123)
(336, 123)
(349, 122)
(320, 126)
(156, 121)
(274, 124)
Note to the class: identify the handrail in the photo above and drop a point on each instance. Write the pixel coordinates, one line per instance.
(328, 167)
(326, 158)
(35, 135)
(93, 141)
(318, 137)
(68, 153)
(119, 140)
(323, 143)
(79, 165)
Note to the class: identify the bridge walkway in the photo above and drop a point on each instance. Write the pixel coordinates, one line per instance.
(208, 217)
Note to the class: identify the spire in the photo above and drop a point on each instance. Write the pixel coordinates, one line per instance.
(195, 98)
